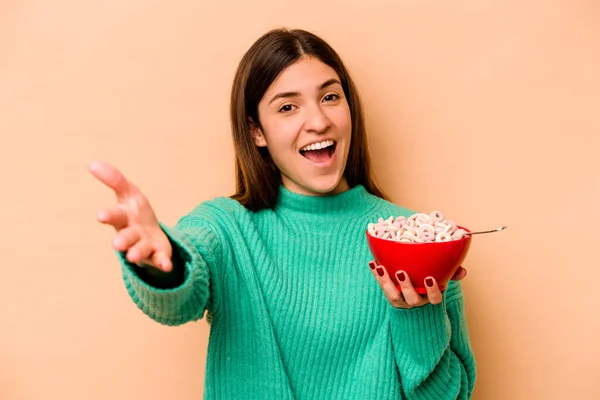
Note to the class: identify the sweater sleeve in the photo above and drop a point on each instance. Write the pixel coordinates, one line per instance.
(197, 247)
(432, 349)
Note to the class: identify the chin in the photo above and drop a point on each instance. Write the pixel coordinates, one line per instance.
(325, 185)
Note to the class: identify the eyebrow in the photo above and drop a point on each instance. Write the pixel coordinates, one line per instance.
(325, 84)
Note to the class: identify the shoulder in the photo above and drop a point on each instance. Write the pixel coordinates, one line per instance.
(217, 212)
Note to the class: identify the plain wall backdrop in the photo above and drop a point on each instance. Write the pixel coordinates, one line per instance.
(486, 110)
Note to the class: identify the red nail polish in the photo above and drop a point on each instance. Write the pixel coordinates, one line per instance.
(429, 282)
(402, 276)
(372, 264)
(380, 271)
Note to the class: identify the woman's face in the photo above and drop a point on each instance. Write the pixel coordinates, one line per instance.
(306, 125)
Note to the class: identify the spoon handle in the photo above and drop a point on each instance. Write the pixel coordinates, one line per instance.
(493, 230)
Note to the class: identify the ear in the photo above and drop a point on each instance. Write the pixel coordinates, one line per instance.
(257, 135)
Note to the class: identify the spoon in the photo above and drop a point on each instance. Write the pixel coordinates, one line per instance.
(493, 230)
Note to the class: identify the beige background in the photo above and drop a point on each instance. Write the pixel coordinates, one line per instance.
(486, 110)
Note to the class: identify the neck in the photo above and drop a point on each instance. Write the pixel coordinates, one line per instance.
(333, 208)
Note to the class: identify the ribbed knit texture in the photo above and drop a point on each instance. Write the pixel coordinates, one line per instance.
(295, 311)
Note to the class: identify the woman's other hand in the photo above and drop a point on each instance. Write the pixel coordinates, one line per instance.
(139, 234)
(409, 297)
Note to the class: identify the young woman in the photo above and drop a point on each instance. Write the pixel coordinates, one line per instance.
(278, 267)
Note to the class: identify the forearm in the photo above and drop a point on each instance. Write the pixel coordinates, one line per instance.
(432, 351)
(181, 295)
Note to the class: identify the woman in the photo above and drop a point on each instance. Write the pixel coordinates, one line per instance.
(278, 266)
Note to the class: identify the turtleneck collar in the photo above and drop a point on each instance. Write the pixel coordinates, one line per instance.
(351, 203)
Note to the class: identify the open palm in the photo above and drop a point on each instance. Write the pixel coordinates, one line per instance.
(139, 235)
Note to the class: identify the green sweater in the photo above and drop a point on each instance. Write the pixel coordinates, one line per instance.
(296, 313)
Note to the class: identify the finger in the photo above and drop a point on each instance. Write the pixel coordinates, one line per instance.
(461, 273)
(389, 289)
(126, 238)
(162, 261)
(411, 296)
(139, 252)
(117, 217)
(372, 265)
(111, 177)
(433, 291)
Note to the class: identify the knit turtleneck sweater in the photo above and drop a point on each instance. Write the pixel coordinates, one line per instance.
(296, 313)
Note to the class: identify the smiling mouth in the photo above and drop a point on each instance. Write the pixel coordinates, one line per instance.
(320, 155)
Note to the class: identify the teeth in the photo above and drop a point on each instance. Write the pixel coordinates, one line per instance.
(317, 146)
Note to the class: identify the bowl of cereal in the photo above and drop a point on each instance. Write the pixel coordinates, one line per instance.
(422, 245)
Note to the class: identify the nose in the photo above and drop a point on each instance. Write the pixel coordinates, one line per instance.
(316, 120)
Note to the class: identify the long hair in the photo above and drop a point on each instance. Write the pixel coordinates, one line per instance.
(257, 177)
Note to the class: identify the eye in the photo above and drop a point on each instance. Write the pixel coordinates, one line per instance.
(287, 108)
(331, 97)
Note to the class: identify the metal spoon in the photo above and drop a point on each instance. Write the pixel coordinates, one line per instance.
(493, 230)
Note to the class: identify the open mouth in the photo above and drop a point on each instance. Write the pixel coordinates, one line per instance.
(319, 152)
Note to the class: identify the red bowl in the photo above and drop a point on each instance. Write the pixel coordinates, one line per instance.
(420, 260)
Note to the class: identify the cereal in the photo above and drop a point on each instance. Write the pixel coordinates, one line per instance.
(441, 237)
(418, 228)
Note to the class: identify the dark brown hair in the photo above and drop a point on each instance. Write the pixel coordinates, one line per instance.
(257, 177)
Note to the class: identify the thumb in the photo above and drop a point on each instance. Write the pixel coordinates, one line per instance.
(459, 274)
(113, 178)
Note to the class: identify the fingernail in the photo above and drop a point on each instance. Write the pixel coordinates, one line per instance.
(380, 271)
(402, 276)
(429, 282)
(372, 264)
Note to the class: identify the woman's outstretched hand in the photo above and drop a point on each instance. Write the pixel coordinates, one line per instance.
(409, 297)
(139, 235)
